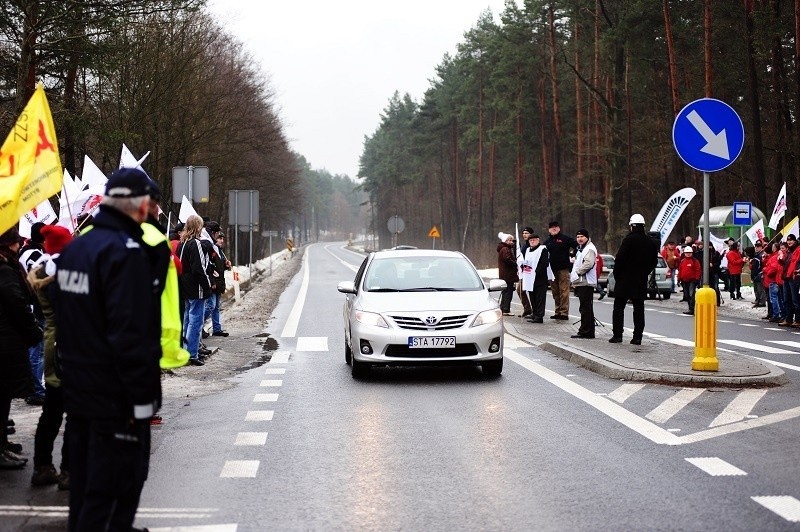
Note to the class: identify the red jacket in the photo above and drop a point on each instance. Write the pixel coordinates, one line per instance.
(773, 271)
(689, 269)
(735, 262)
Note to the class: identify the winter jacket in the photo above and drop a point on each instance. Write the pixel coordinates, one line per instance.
(735, 262)
(559, 245)
(195, 283)
(18, 330)
(773, 271)
(672, 256)
(507, 263)
(584, 271)
(108, 322)
(636, 258)
(44, 287)
(689, 269)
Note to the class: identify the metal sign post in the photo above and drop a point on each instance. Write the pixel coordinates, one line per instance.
(708, 136)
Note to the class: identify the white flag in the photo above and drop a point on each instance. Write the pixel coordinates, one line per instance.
(186, 210)
(671, 211)
(780, 208)
(94, 180)
(43, 212)
(127, 160)
(756, 232)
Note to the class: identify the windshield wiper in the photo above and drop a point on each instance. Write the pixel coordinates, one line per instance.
(430, 289)
(383, 290)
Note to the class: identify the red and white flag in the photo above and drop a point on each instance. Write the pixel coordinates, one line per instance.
(756, 232)
(779, 210)
(43, 212)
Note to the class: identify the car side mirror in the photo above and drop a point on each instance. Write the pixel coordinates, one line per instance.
(346, 287)
(496, 285)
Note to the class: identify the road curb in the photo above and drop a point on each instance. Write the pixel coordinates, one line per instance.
(773, 377)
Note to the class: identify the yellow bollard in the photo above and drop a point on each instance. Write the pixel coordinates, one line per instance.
(705, 330)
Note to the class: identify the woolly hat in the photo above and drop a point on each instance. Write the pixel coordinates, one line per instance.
(36, 236)
(582, 232)
(554, 223)
(56, 238)
(527, 229)
(503, 236)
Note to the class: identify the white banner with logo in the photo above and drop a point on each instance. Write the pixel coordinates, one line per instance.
(668, 216)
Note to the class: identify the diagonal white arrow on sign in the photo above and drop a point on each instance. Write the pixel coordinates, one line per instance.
(717, 143)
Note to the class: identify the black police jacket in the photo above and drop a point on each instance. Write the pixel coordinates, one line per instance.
(107, 328)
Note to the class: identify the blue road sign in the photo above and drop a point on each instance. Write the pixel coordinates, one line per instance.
(742, 213)
(708, 135)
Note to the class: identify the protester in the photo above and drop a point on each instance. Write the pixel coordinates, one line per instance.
(108, 324)
(30, 254)
(506, 270)
(773, 274)
(755, 261)
(735, 267)
(690, 273)
(636, 258)
(791, 298)
(19, 330)
(672, 255)
(195, 284)
(522, 294)
(559, 247)
(534, 278)
(584, 279)
(220, 264)
(41, 280)
(600, 289)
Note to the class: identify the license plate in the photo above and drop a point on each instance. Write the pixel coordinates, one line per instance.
(436, 342)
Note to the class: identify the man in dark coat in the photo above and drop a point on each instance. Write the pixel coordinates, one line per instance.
(636, 258)
(506, 270)
(19, 330)
(560, 247)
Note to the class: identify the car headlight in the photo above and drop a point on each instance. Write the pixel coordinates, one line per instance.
(370, 318)
(487, 317)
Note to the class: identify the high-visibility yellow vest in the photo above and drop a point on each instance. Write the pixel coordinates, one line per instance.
(172, 354)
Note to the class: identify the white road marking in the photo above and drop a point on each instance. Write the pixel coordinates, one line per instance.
(748, 325)
(746, 424)
(251, 438)
(779, 364)
(280, 357)
(265, 398)
(689, 343)
(739, 408)
(240, 469)
(63, 511)
(787, 343)
(312, 343)
(230, 527)
(647, 429)
(716, 467)
(757, 347)
(785, 506)
(271, 383)
(259, 415)
(625, 391)
(290, 327)
(663, 412)
(724, 321)
(772, 329)
(511, 342)
(274, 371)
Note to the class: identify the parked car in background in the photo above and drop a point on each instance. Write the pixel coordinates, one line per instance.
(659, 285)
(419, 307)
(608, 265)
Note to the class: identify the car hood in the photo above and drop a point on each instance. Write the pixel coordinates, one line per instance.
(386, 302)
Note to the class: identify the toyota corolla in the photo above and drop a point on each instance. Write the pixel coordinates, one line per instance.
(416, 307)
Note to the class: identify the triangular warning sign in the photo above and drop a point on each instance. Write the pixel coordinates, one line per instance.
(434, 232)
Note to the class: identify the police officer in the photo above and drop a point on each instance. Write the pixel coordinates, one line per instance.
(636, 258)
(108, 327)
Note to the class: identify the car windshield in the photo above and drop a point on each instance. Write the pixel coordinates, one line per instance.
(421, 273)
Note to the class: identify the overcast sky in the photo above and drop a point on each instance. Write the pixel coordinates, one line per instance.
(334, 65)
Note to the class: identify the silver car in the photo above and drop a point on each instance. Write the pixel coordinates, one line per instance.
(415, 307)
(659, 284)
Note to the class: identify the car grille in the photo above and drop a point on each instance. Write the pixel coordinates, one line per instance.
(460, 350)
(448, 322)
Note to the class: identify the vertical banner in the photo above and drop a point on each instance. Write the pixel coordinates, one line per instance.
(668, 216)
(779, 210)
(30, 167)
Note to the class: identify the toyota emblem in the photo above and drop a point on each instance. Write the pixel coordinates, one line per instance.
(431, 320)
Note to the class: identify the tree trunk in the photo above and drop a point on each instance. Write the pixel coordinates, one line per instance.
(755, 116)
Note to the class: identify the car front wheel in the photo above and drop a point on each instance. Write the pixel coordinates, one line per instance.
(358, 369)
(348, 353)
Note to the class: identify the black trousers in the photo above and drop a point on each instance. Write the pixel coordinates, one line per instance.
(538, 298)
(585, 295)
(109, 460)
(5, 410)
(618, 316)
(48, 427)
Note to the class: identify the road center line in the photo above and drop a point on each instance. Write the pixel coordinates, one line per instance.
(290, 328)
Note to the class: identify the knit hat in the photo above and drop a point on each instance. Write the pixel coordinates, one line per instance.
(553, 224)
(527, 229)
(36, 236)
(582, 232)
(56, 238)
(503, 236)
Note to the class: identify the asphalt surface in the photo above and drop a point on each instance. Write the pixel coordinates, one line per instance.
(651, 361)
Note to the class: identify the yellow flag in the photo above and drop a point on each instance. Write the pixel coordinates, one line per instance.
(30, 168)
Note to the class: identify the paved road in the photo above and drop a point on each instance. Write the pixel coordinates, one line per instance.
(298, 444)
